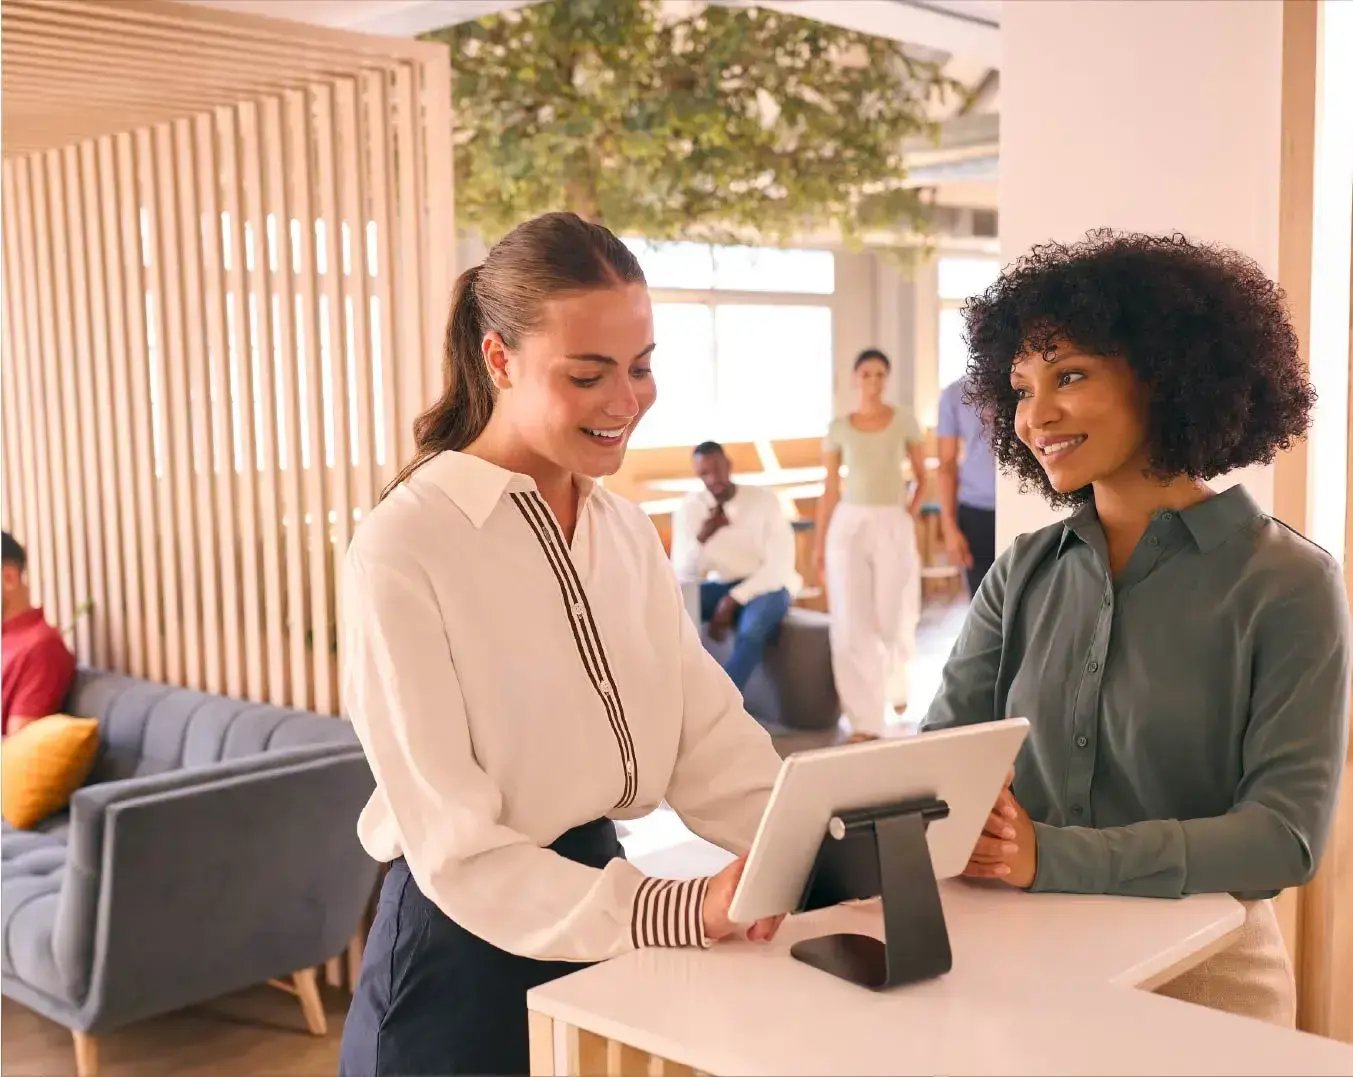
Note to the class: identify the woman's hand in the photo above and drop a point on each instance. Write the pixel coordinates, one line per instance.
(719, 896)
(1008, 846)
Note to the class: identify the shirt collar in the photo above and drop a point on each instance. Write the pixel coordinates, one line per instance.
(1210, 522)
(1215, 520)
(27, 619)
(1073, 527)
(476, 486)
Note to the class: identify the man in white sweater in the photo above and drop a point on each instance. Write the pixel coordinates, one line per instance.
(736, 542)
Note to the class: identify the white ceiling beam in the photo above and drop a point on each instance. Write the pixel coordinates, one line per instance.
(966, 30)
(392, 18)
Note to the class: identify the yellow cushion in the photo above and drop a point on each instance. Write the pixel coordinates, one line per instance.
(43, 764)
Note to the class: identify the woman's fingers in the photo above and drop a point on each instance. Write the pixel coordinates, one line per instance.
(986, 871)
(998, 826)
(993, 849)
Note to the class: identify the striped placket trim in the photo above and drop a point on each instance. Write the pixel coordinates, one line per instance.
(585, 633)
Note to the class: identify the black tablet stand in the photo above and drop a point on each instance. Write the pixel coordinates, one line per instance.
(880, 851)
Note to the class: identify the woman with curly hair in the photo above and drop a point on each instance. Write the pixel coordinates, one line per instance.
(1182, 657)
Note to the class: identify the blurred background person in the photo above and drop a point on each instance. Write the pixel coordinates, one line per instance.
(866, 549)
(967, 486)
(36, 666)
(736, 542)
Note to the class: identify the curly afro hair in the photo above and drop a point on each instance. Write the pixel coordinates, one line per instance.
(1204, 330)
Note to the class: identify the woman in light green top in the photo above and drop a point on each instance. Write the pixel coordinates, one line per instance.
(866, 549)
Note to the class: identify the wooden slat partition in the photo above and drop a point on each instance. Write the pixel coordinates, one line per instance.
(226, 267)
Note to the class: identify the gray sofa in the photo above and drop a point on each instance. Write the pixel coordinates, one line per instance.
(794, 687)
(212, 848)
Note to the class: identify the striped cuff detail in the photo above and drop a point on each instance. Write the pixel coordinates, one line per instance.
(669, 912)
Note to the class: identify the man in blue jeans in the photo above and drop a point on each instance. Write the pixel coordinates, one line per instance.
(737, 542)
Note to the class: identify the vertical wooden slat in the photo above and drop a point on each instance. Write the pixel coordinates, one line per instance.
(160, 484)
(120, 389)
(57, 578)
(439, 236)
(376, 96)
(221, 456)
(195, 419)
(310, 431)
(90, 527)
(175, 356)
(412, 395)
(261, 332)
(70, 494)
(157, 197)
(11, 501)
(241, 395)
(135, 277)
(18, 292)
(332, 356)
(111, 619)
(277, 204)
(352, 267)
(340, 491)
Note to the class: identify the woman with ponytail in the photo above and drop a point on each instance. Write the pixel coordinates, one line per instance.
(521, 671)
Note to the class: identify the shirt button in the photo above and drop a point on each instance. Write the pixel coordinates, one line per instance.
(606, 688)
(1154, 540)
(1167, 515)
(1107, 600)
(1093, 667)
(1081, 742)
(1076, 809)
(577, 609)
(629, 767)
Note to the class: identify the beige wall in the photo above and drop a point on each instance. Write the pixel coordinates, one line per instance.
(1143, 116)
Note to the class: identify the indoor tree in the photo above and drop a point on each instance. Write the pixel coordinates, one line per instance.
(686, 120)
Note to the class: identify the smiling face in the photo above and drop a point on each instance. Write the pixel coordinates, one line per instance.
(714, 470)
(575, 388)
(1084, 417)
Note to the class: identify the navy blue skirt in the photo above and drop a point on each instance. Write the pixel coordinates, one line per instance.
(433, 998)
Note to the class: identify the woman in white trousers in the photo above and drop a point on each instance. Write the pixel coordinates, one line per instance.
(866, 549)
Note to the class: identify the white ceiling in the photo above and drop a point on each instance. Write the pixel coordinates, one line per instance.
(395, 18)
(967, 29)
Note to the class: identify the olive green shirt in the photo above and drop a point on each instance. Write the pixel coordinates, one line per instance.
(1188, 720)
(873, 458)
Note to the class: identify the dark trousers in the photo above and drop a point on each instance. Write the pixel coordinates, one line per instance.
(756, 623)
(979, 528)
(433, 998)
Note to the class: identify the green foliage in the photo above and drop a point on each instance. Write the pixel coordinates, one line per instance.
(718, 124)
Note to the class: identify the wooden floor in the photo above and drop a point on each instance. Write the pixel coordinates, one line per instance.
(259, 1031)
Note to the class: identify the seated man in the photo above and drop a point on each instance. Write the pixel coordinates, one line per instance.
(737, 542)
(36, 667)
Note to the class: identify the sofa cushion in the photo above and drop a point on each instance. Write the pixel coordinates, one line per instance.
(32, 864)
(43, 764)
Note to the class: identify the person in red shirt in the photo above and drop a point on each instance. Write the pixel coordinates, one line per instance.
(36, 666)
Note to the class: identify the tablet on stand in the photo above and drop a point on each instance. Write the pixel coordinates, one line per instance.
(887, 818)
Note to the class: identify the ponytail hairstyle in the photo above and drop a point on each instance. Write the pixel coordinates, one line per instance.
(547, 256)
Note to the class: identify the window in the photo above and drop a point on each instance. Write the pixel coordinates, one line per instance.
(744, 352)
(958, 279)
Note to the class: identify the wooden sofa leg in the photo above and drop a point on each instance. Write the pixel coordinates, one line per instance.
(307, 990)
(86, 1054)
